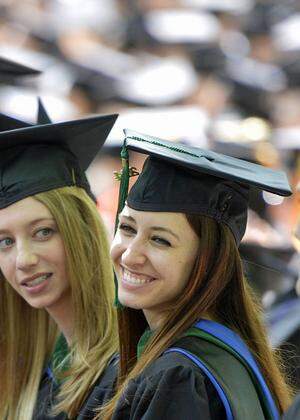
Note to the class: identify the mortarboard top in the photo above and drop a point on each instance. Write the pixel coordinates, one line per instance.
(46, 156)
(180, 178)
(244, 138)
(252, 81)
(158, 82)
(56, 76)
(184, 122)
(287, 138)
(97, 67)
(285, 34)
(10, 69)
(181, 27)
(56, 19)
(255, 74)
(235, 7)
(21, 103)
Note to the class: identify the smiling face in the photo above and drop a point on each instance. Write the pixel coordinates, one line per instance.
(153, 254)
(32, 254)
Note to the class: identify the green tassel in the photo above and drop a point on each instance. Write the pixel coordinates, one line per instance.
(123, 192)
(124, 183)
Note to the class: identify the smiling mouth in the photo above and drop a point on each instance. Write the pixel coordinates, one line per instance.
(136, 279)
(37, 281)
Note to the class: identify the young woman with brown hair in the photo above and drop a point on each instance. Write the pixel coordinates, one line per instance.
(193, 345)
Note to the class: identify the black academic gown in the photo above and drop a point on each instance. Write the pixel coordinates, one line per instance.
(100, 393)
(174, 388)
(171, 389)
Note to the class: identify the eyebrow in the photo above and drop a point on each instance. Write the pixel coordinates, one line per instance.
(161, 229)
(32, 223)
(154, 228)
(42, 219)
(129, 218)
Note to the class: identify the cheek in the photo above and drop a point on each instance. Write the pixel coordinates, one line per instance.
(116, 254)
(55, 254)
(182, 271)
(117, 249)
(7, 268)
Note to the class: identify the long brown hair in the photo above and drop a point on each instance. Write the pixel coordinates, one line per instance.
(217, 287)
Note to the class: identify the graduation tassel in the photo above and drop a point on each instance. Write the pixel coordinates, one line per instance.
(123, 177)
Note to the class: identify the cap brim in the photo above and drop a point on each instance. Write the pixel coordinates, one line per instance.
(206, 161)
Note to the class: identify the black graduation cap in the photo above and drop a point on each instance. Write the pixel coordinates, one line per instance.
(290, 64)
(36, 158)
(180, 178)
(253, 82)
(10, 69)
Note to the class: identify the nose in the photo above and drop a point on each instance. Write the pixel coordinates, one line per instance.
(26, 257)
(134, 255)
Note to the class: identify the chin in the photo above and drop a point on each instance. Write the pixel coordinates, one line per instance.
(38, 305)
(41, 303)
(128, 303)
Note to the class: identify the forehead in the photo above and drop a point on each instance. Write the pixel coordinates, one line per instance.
(23, 211)
(172, 220)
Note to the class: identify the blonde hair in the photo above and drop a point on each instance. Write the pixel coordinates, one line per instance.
(217, 287)
(28, 335)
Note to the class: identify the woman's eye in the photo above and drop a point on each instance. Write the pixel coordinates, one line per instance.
(5, 243)
(160, 241)
(126, 228)
(44, 233)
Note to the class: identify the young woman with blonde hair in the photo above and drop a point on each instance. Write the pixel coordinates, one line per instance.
(192, 343)
(57, 323)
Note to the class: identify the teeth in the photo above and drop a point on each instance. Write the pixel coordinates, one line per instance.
(133, 279)
(37, 281)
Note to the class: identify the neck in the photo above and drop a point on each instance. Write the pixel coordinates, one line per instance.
(155, 318)
(63, 315)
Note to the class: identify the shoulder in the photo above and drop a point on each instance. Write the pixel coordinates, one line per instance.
(294, 411)
(99, 393)
(102, 391)
(171, 369)
(171, 387)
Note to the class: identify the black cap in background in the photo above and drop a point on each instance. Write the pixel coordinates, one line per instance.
(9, 70)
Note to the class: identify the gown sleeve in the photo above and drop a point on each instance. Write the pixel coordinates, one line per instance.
(178, 392)
(45, 398)
(99, 394)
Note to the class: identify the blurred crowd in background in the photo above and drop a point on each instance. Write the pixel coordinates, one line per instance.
(219, 74)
